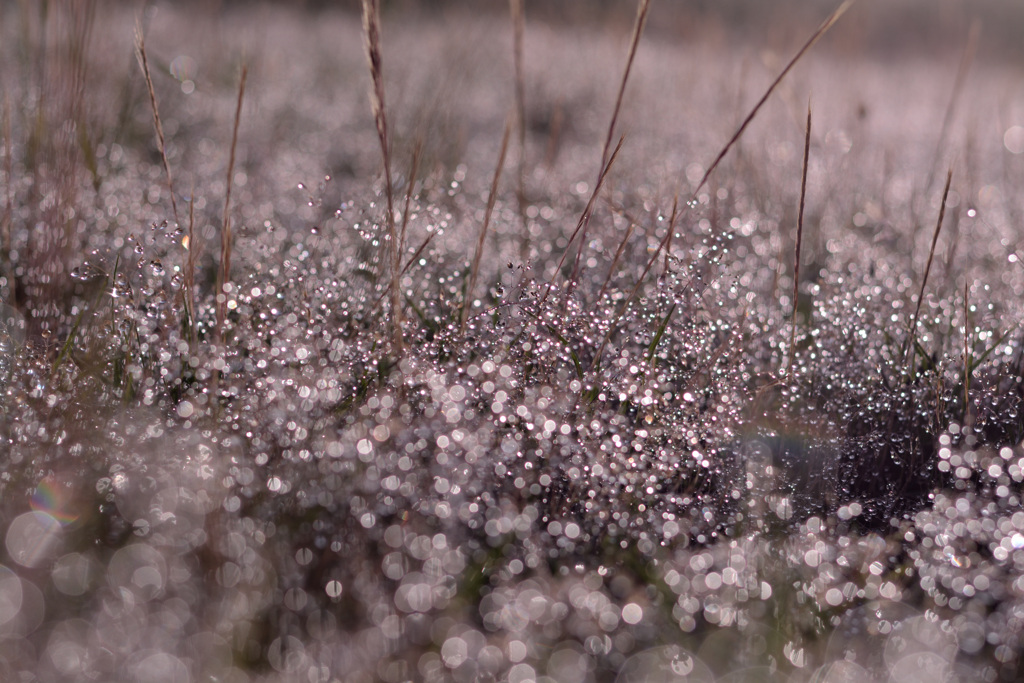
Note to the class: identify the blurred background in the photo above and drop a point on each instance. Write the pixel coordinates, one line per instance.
(890, 27)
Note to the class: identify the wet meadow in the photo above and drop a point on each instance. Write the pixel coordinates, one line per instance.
(609, 341)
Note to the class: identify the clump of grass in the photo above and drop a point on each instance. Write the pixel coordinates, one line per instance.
(560, 482)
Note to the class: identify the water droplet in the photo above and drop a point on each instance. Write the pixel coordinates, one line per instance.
(682, 664)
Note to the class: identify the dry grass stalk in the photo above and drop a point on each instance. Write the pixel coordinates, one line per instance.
(634, 43)
(371, 35)
(414, 170)
(825, 26)
(585, 216)
(5, 224)
(615, 259)
(140, 53)
(190, 268)
(958, 85)
(518, 29)
(554, 134)
(475, 269)
(419, 251)
(799, 242)
(911, 338)
(821, 30)
(636, 288)
(408, 264)
(225, 233)
(968, 419)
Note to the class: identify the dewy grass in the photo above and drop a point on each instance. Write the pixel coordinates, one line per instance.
(586, 483)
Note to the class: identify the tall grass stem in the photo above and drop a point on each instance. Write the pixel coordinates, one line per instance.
(815, 37)
(225, 233)
(475, 269)
(912, 336)
(634, 43)
(518, 15)
(799, 242)
(372, 39)
(140, 53)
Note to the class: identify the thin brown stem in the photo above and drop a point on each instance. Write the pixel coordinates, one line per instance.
(958, 85)
(190, 269)
(225, 234)
(409, 190)
(475, 269)
(636, 288)
(518, 29)
(815, 37)
(554, 134)
(615, 259)
(911, 338)
(638, 29)
(372, 38)
(586, 213)
(140, 53)
(799, 242)
(967, 361)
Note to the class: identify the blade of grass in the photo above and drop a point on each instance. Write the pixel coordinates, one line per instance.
(518, 29)
(492, 197)
(140, 53)
(372, 39)
(636, 288)
(634, 42)
(912, 336)
(815, 37)
(615, 259)
(799, 241)
(967, 359)
(585, 216)
(5, 224)
(975, 362)
(190, 269)
(659, 334)
(413, 172)
(958, 85)
(225, 233)
(406, 267)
